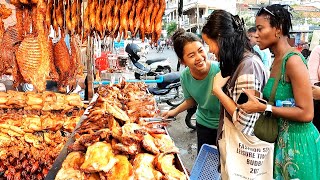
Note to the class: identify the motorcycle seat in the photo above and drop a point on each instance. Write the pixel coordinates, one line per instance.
(169, 78)
(158, 91)
(150, 61)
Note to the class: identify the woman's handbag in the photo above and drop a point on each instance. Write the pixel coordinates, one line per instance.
(266, 127)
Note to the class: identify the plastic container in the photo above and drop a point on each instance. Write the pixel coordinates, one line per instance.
(102, 63)
(286, 103)
(206, 164)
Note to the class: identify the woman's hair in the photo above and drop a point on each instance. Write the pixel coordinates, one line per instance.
(280, 17)
(180, 38)
(229, 33)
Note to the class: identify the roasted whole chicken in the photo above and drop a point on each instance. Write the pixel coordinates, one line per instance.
(99, 157)
(164, 163)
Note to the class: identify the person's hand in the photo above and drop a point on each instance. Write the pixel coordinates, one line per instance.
(167, 114)
(252, 105)
(316, 92)
(219, 82)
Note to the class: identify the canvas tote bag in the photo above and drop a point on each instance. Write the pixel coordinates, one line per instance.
(243, 156)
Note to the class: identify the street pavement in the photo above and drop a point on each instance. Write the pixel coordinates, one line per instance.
(184, 137)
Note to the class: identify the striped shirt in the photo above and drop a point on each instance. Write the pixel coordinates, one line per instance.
(250, 74)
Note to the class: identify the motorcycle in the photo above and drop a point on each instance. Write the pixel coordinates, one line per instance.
(147, 66)
(169, 90)
(190, 119)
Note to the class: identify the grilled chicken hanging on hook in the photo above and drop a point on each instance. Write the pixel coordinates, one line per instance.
(104, 16)
(68, 16)
(116, 20)
(79, 21)
(54, 18)
(60, 15)
(153, 17)
(140, 4)
(49, 15)
(147, 17)
(111, 6)
(92, 13)
(158, 20)
(86, 22)
(124, 10)
(99, 23)
(132, 13)
(142, 29)
(74, 19)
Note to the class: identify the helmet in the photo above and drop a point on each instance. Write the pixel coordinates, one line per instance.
(132, 50)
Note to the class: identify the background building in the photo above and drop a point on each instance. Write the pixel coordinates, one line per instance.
(195, 12)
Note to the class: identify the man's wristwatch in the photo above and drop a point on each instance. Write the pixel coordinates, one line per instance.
(268, 110)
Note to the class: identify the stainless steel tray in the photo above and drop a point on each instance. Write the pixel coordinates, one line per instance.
(63, 154)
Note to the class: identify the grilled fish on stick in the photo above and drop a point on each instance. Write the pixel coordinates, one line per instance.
(53, 71)
(62, 63)
(29, 59)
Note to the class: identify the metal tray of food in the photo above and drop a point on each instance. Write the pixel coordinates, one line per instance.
(64, 153)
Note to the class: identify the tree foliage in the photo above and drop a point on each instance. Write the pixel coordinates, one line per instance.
(297, 18)
(171, 27)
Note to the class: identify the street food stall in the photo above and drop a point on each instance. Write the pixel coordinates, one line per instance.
(54, 135)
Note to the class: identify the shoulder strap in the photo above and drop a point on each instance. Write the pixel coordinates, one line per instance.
(277, 79)
(288, 55)
(274, 87)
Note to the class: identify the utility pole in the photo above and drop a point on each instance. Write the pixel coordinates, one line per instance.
(198, 29)
(180, 12)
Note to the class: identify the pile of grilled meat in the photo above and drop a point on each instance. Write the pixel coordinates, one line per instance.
(114, 142)
(33, 129)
